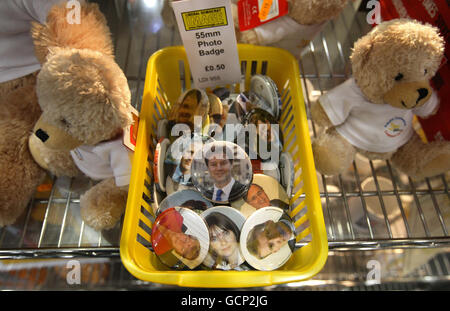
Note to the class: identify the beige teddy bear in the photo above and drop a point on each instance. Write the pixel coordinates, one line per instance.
(372, 112)
(85, 102)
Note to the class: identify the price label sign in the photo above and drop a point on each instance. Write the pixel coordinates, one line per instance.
(207, 31)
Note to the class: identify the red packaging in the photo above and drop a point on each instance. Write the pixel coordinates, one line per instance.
(436, 13)
(248, 13)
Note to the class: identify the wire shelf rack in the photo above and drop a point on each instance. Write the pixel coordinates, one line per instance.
(372, 211)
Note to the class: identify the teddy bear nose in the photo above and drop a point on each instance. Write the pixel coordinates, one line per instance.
(422, 93)
(42, 135)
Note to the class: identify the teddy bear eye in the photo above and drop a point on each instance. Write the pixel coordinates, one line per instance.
(425, 72)
(399, 77)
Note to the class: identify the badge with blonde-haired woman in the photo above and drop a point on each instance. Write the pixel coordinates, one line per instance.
(180, 238)
(263, 191)
(267, 239)
(224, 225)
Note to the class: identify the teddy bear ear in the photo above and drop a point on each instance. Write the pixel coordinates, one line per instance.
(91, 32)
(361, 52)
(53, 50)
(117, 89)
(42, 41)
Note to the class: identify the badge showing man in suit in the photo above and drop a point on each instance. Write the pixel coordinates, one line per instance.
(258, 198)
(263, 192)
(219, 159)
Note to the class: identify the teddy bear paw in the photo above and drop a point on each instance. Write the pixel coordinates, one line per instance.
(332, 153)
(99, 214)
(102, 206)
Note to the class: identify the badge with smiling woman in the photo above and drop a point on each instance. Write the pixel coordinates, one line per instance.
(224, 225)
(221, 171)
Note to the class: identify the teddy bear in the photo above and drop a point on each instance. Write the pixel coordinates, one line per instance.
(86, 106)
(372, 112)
(304, 20)
(84, 103)
(19, 109)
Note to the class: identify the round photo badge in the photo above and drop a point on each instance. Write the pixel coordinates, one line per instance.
(157, 198)
(264, 191)
(287, 172)
(224, 225)
(265, 88)
(191, 103)
(222, 171)
(177, 163)
(218, 114)
(236, 109)
(158, 166)
(266, 168)
(190, 199)
(215, 108)
(264, 138)
(221, 92)
(267, 239)
(180, 238)
(162, 130)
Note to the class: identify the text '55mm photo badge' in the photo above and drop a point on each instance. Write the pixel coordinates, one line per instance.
(208, 35)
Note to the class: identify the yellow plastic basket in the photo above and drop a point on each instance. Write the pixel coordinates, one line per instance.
(166, 77)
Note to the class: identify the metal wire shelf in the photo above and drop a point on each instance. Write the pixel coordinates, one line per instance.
(370, 207)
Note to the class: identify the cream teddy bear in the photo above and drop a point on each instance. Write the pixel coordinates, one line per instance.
(75, 101)
(372, 112)
(85, 102)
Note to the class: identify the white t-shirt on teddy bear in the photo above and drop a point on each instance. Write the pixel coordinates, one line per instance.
(287, 34)
(17, 58)
(105, 160)
(368, 126)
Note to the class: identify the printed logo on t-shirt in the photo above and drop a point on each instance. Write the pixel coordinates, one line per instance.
(394, 127)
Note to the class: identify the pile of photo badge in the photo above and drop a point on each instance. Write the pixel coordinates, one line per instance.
(222, 182)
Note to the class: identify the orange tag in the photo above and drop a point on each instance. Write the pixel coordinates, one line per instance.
(130, 132)
(44, 187)
(265, 9)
